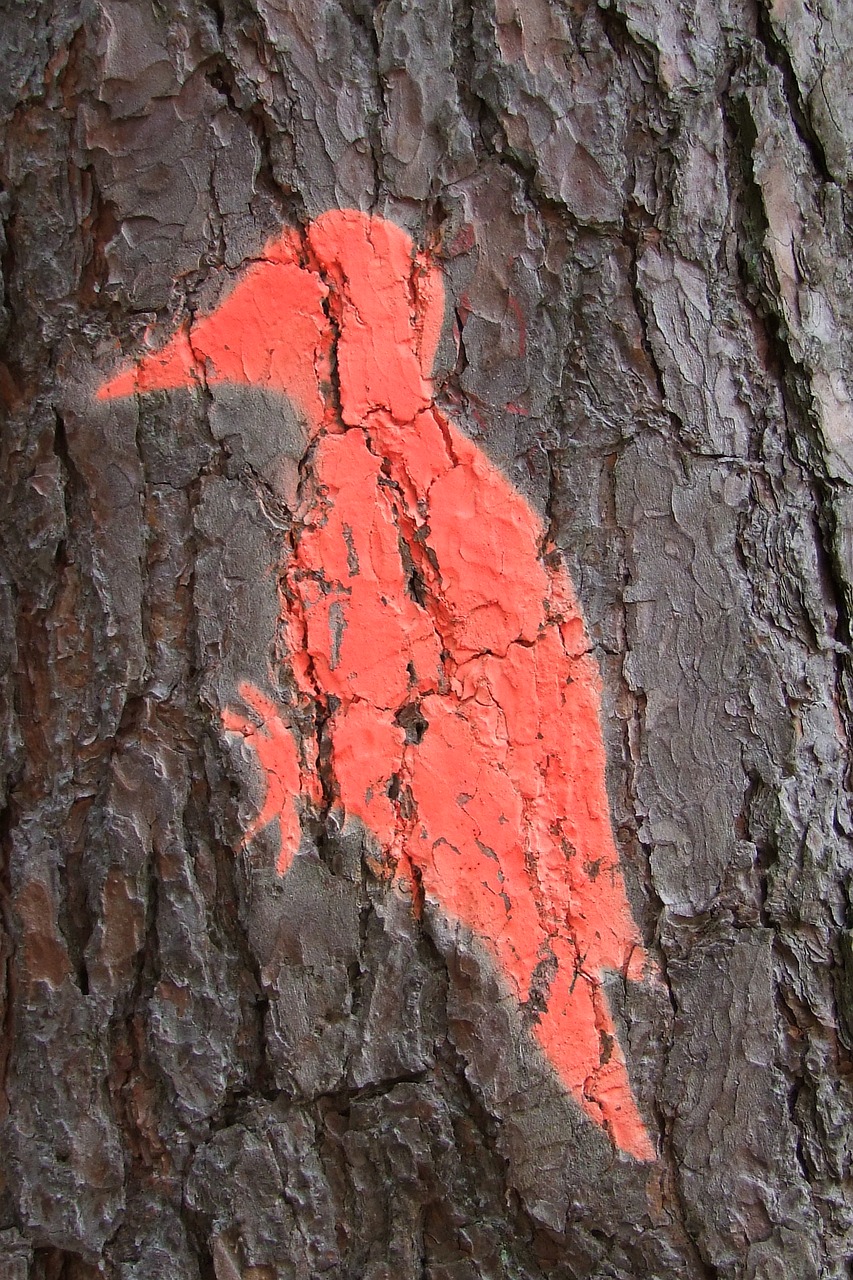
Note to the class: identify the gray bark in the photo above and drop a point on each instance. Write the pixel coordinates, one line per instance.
(657, 197)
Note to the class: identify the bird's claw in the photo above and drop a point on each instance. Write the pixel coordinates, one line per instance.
(278, 757)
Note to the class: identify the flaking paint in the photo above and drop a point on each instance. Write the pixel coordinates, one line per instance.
(419, 588)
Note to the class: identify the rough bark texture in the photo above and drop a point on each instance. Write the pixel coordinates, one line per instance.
(642, 211)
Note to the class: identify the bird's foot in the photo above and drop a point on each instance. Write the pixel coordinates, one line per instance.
(271, 737)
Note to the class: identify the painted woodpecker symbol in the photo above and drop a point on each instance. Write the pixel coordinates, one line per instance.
(437, 634)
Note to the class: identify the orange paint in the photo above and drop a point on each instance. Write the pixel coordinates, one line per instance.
(249, 340)
(277, 754)
(449, 660)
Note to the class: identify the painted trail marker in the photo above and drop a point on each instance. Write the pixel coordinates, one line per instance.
(436, 633)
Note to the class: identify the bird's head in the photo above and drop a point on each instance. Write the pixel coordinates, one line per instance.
(353, 288)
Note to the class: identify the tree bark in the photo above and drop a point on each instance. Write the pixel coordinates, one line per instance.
(641, 214)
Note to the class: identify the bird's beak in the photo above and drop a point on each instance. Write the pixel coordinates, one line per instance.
(173, 366)
(271, 331)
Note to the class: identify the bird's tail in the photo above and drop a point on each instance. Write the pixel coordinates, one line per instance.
(577, 1035)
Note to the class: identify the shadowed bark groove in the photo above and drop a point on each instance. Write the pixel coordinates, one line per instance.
(642, 218)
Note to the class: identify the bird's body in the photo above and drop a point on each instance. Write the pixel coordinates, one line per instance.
(435, 635)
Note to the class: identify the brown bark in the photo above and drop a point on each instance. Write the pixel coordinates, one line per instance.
(642, 212)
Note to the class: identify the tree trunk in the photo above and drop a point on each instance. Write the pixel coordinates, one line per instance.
(639, 214)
